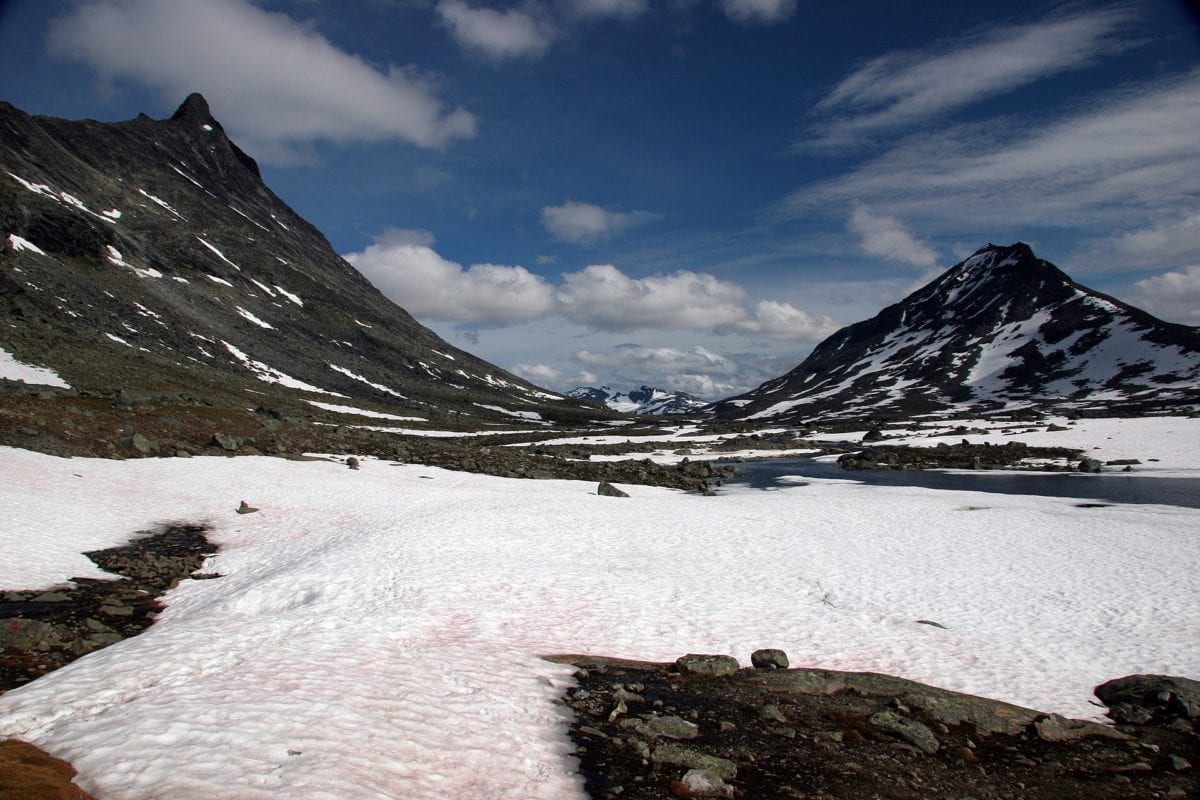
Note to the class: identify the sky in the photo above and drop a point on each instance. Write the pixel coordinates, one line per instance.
(684, 193)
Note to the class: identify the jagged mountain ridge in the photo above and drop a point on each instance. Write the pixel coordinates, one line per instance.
(149, 254)
(645, 400)
(1002, 329)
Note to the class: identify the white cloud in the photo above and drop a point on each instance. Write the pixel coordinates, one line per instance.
(1174, 239)
(604, 297)
(1173, 296)
(901, 88)
(274, 83)
(545, 375)
(426, 285)
(584, 222)
(887, 237)
(758, 11)
(785, 321)
(696, 370)
(499, 35)
(1133, 151)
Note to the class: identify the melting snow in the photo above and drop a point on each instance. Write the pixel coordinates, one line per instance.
(269, 374)
(112, 213)
(219, 254)
(118, 339)
(15, 370)
(161, 202)
(259, 322)
(530, 415)
(342, 610)
(215, 279)
(293, 297)
(363, 412)
(189, 177)
(361, 379)
(18, 244)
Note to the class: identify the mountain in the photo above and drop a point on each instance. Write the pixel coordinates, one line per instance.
(1003, 329)
(643, 400)
(149, 256)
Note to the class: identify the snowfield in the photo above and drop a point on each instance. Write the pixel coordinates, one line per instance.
(377, 632)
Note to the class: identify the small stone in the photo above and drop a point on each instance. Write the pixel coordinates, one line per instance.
(52, 597)
(246, 508)
(352, 462)
(143, 444)
(711, 665)
(1178, 763)
(671, 753)
(772, 712)
(769, 659)
(225, 441)
(701, 783)
(116, 611)
(669, 727)
(606, 489)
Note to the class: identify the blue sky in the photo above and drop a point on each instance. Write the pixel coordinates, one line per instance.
(689, 193)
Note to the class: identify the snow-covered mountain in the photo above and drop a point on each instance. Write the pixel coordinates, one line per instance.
(149, 255)
(1002, 329)
(643, 400)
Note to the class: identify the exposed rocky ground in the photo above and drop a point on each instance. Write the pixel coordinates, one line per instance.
(704, 728)
(1010, 455)
(44, 629)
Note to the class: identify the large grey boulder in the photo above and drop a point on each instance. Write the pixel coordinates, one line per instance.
(713, 666)
(1138, 699)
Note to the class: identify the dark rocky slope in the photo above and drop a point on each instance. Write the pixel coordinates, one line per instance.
(1002, 330)
(149, 255)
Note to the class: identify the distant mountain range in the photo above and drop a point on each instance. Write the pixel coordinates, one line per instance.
(642, 401)
(1002, 330)
(149, 255)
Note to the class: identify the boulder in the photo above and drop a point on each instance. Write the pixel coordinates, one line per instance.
(912, 731)
(769, 659)
(1138, 699)
(710, 665)
(606, 489)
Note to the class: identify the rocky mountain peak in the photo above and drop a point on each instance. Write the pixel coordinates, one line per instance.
(1001, 329)
(194, 109)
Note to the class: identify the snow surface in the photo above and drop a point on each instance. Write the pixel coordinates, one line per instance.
(376, 633)
(18, 244)
(362, 412)
(14, 370)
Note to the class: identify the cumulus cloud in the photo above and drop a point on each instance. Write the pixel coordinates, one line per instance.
(758, 11)
(276, 84)
(901, 88)
(785, 321)
(499, 35)
(582, 223)
(604, 297)
(1174, 295)
(887, 237)
(404, 266)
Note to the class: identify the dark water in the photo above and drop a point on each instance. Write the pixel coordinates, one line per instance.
(1115, 487)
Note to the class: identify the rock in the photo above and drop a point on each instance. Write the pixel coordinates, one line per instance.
(1090, 465)
(1138, 699)
(1055, 728)
(226, 442)
(606, 489)
(28, 773)
(669, 727)
(52, 597)
(713, 666)
(143, 444)
(671, 753)
(910, 730)
(27, 635)
(1177, 763)
(701, 783)
(873, 435)
(769, 659)
(352, 462)
(116, 610)
(246, 508)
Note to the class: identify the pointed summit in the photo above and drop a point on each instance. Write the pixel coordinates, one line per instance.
(195, 107)
(1002, 329)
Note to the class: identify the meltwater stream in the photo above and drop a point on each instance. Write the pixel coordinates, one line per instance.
(1114, 487)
